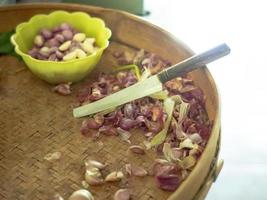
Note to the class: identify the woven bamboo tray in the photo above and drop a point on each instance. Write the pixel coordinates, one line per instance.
(35, 121)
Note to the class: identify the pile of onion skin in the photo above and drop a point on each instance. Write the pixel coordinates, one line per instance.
(178, 137)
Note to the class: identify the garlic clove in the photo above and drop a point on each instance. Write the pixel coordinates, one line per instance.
(39, 40)
(85, 184)
(135, 170)
(139, 171)
(58, 197)
(90, 40)
(93, 179)
(65, 46)
(114, 176)
(70, 56)
(93, 172)
(87, 47)
(96, 49)
(94, 163)
(79, 37)
(122, 194)
(81, 195)
(45, 50)
(80, 53)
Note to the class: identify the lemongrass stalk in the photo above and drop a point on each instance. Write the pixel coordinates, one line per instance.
(161, 136)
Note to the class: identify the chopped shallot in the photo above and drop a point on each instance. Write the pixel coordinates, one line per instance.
(63, 89)
(169, 182)
(174, 120)
(166, 175)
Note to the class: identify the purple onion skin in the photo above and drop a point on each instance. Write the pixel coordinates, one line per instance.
(168, 182)
(84, 129)
(140, 119)
(108, 130)
(154, 127)
(92, 124)
(165, 169)
(127, 124)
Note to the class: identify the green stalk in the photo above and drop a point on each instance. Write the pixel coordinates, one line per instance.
(161, 136)
(132, 67)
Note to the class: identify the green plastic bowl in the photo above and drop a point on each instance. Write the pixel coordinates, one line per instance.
(63, 71)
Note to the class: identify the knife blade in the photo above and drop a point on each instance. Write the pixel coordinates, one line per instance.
(154, 83)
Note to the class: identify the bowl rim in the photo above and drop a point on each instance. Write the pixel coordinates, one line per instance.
(107, 31)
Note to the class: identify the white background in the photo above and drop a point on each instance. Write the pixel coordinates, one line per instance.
(241, 78)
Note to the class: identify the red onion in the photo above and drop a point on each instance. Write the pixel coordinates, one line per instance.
(108, 130)
(168, 182)
(60, 38)
(46, 33)
(165, 168)
(65, 26)
(92, 124)
(63, 89)
(67, 34)
(127, 124)
(147, 113)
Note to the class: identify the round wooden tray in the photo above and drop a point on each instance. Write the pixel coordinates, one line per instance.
(35, 121)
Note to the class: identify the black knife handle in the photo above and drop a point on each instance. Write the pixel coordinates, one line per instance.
(194, 62)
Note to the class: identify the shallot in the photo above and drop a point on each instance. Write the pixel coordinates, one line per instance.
(68, 42)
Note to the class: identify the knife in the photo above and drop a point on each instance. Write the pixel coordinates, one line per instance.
(154, 83)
